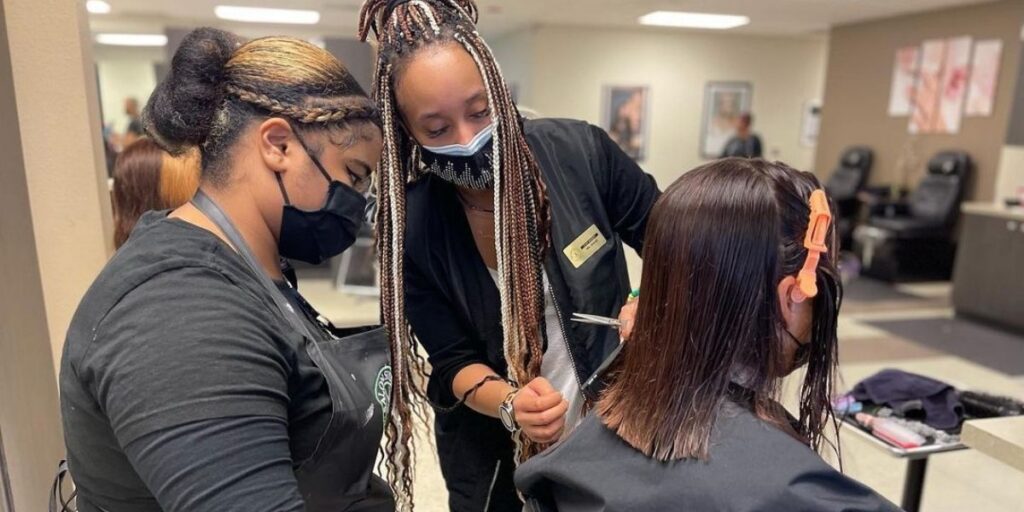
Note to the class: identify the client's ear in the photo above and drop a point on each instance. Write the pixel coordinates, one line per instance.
(797, 311)
(788, 304)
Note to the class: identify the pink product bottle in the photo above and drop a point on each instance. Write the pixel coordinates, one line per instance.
(891, 432)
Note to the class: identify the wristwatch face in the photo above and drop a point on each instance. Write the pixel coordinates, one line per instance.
(505, 414)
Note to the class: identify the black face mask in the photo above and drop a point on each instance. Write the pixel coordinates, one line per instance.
(803, 351)
(475, 171)
(314, 236)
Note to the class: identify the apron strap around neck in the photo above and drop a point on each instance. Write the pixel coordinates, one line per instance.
(216, 215)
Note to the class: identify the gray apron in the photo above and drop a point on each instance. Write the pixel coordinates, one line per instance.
(356, 364)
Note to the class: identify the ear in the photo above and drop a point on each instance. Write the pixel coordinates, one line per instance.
(276, 144)
(787, 304)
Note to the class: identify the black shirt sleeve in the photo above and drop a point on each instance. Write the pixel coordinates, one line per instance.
(629, 193)
(241, 463)
(194, 383)
(447, 343)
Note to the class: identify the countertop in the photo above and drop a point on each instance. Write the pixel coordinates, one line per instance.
(999, 438)
(994, 210)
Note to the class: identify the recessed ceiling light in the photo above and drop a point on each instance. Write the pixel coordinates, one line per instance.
(693, 20)
(132, 39)
(97, 7)
(262, 15)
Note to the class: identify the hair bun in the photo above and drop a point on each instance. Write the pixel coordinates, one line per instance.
(181, 110)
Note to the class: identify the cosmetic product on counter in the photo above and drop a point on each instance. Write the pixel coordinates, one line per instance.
(890, 432)
(939, 436)
(846, 405)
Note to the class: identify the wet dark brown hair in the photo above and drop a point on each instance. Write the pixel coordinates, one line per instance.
(718, 243)
(404, 29)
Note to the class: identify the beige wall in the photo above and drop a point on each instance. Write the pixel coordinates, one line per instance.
(515, 54)
(54, 224)
(568, 67)
(856, 103)
(561, 72)
(55, 86)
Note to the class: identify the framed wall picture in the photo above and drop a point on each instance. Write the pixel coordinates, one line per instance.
(624, 117)
(904, 78)
(810, 124)
(984, 76)
(925, 112)
(954, 85)
(724, 102)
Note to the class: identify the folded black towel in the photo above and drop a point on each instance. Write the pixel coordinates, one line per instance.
(913, 396)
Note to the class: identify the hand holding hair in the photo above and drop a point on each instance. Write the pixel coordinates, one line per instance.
(540, 411)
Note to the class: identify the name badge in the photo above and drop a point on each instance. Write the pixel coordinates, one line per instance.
(585, 245)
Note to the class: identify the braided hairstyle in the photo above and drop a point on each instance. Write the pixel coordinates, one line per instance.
(218, 85)
(522, 217)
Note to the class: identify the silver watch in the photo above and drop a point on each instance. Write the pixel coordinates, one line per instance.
(507, 414)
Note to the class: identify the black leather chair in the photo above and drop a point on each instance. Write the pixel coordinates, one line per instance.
(843, 187)
(914, 239)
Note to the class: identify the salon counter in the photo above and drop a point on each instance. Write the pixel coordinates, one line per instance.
(999, 438)
(988, 280)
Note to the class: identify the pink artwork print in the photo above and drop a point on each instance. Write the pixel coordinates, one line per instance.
(984, 77)
(929, 86)
(904, 77)
(954, 85)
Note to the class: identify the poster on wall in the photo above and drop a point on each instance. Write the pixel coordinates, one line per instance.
(927, 89)
(954, 85)
(904, 76)
(810, 124)
(724, 102)
(624, 117)
(981, 93)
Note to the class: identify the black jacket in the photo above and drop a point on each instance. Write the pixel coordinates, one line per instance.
(753, 466)
(453, 304)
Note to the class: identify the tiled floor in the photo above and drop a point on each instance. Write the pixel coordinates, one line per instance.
(877, 330)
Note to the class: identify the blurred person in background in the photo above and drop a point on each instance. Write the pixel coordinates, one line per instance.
(745, 143)
(134, 129)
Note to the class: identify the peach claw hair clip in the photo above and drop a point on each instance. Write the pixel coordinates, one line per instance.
(814, 241)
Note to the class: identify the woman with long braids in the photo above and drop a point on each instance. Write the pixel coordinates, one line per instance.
(195, 378)
(492, 231)
(740, 289)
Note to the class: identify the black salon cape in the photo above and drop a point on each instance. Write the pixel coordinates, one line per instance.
(753, 467)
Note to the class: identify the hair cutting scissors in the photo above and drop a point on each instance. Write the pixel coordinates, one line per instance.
(596, 320)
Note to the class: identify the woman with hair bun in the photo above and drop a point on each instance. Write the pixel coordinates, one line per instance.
(194, 377)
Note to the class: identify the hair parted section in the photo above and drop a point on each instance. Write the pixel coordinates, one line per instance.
(522, 217)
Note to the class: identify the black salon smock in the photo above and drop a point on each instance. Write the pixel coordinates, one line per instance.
(753, 467)
(183, 389)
